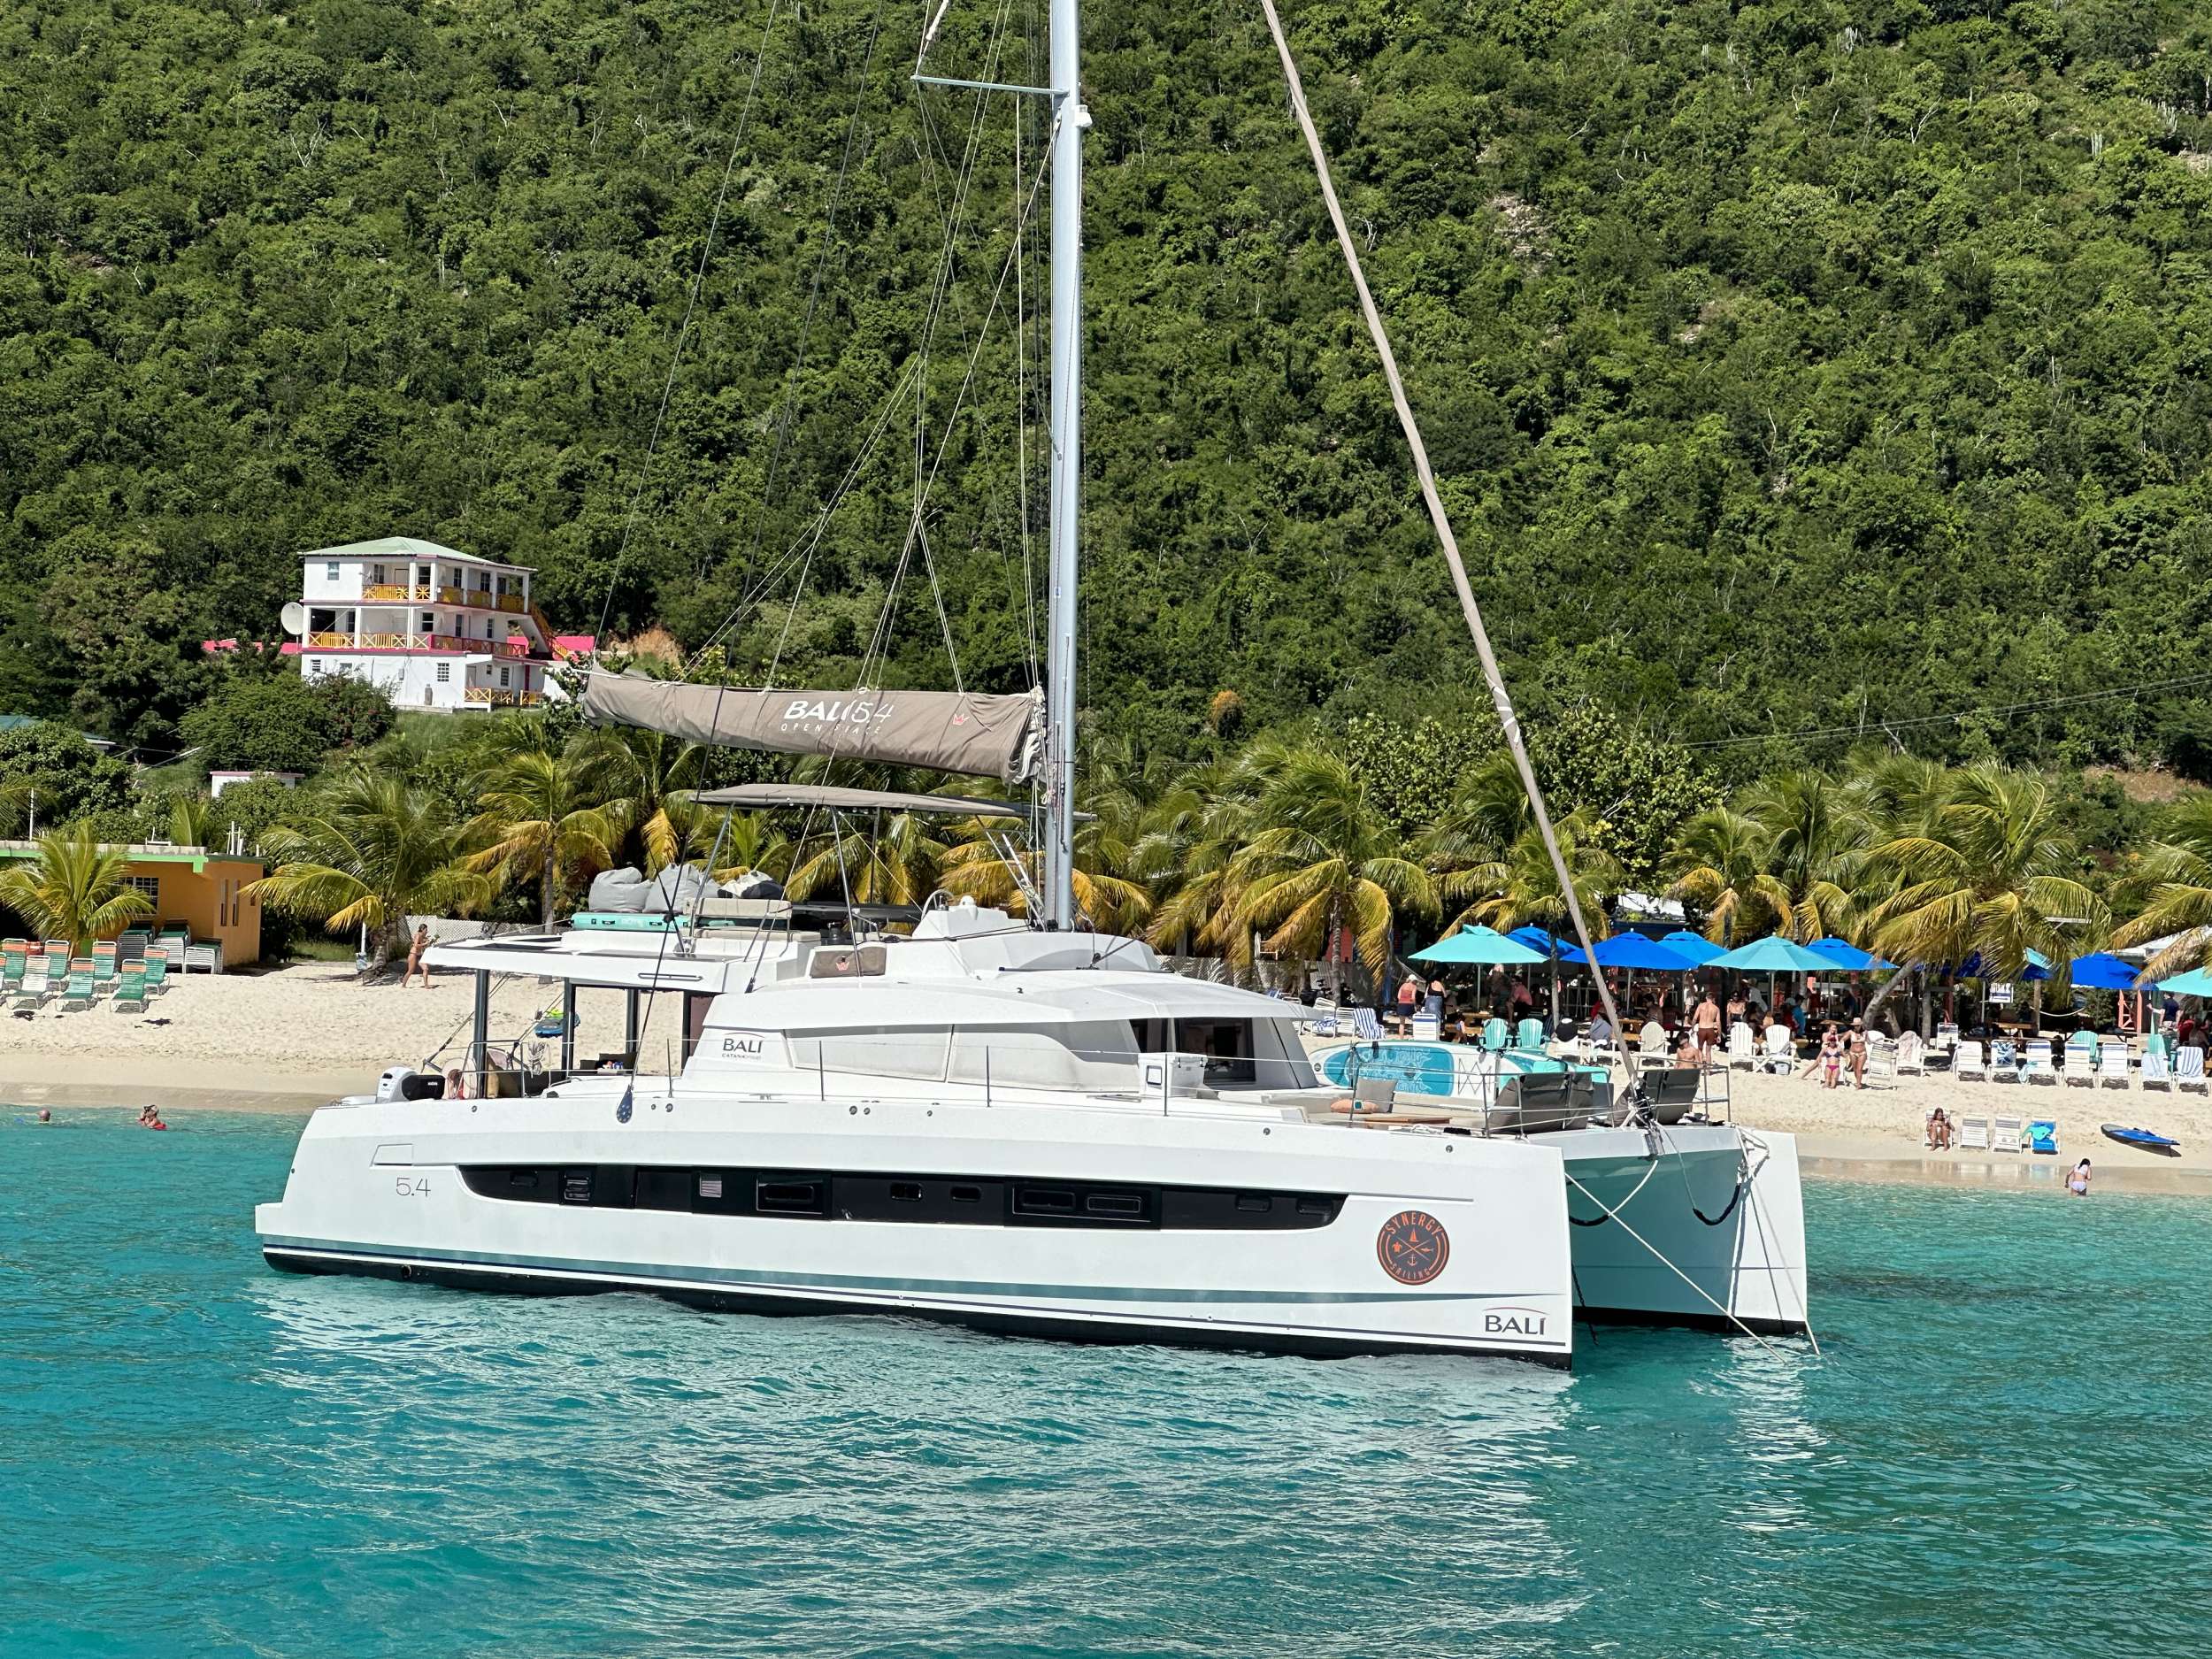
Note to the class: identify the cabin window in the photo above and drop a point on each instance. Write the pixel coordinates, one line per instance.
(502, 676)
(151, 886)
(330, 571)
(445, 674)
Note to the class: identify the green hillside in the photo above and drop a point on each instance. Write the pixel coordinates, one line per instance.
(1789, 367)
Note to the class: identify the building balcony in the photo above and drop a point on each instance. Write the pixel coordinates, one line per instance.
(515, 645)
(493, 697)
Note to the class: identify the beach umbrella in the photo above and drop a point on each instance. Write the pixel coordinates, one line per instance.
(1484, 945)
(1775, 954)
(1700, 949)
(1637, 950)
(2103, 971)
(1556, 951)
(2196, 982)
(2039, 967)
(1848, 956)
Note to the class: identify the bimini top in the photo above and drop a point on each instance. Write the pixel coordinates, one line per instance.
(754, 796)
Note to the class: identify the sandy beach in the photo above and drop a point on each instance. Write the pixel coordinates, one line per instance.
(288, 1040)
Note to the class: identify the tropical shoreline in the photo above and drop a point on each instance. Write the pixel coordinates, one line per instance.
(287, 1041)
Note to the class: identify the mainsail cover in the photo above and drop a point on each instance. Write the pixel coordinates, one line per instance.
(945, 731)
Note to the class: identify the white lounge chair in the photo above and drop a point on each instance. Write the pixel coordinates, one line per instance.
(1365, 1027)
(1743, 1045)
(2112, 1063)
(1881, 1054)
(2157, 1072)
(2036, 1066)
(1779, 1056)
(1966, 1060)
(1946, 1035)
(2004, 1061)
(2081, 1058)
(2004, 1134)
(1974, 1132)
(1911, 1054)
(2189, 1071)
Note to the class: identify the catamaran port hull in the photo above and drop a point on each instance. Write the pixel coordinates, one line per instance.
(1695, 1225)
(1097, 1226)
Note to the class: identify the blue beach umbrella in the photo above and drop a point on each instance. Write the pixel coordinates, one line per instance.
(2104, 971)
(1637, 953)
(1697, 947)
(2039, 968)
(1775, 954)
(1848, 956)
(1485, 945)
(1549, 944)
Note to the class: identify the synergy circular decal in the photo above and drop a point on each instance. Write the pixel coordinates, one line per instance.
(1413, 1247)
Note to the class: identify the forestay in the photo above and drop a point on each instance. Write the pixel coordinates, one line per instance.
(943, 731)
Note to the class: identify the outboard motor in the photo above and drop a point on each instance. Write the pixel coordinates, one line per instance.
(403, 1082)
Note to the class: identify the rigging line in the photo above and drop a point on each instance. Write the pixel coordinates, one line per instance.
(1960, 714)
(944, 443)
(1500, 697)
(788, 395)
(1021, 419)
(1613, 1216)
(691, 304)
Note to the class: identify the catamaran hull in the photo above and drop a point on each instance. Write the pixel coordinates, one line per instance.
(1343, 1243)
(1696, 1224)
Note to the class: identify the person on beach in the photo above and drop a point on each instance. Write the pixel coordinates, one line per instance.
(1707, 1021)
(1938, 1130)
(1829, 1059)
(1854, 1052)
(455, 1089)
(1409, 995)
(414, 958)
(2077, 1181)
(1601, 1032)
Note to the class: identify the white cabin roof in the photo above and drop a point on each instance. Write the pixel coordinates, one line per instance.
(408, 547)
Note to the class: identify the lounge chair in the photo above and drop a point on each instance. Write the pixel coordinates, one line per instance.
(36, 989)
(2158, 1072)
(1528, 1037)
(1947, 1034)
(1743, 1045)
(2189, 1071)
(1365, 1027)
(2112, 1063)
(2036, 1066)
(103, 968)
(1651, 1045)
(1966, 1060)
(1881, 1054)
(130, 991)
(2004, 1062)
(1374, 1094)
(157, 972)
(2004, 1134)
(2043, 1136)
(1669, 1094)
(13, 960)
(1911, 1054)
(1974, 1132)
(1780, 1056)
(2081, 1058)
(77, 997)
(130, 945)
(59, 949)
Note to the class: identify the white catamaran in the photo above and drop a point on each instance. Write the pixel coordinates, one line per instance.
(1020, 1125)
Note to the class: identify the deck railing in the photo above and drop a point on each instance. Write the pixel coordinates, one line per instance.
(494, 697)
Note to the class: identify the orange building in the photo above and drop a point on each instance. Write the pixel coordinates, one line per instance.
(192, 887)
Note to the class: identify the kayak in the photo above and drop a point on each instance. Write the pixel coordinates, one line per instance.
(2142, 1138)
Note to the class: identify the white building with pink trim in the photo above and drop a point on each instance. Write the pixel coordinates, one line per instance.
(432, 627)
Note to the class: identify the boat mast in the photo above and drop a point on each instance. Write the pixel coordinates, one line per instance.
(1065, 385)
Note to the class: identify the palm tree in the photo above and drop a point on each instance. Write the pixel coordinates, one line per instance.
(1522, 888)
(1195, 832)
(1989, 871)
(750, 844)
(2179, 863)
(1720, 870)
(1812, 831)
(1324, 856)
(75, 890)
(368, 851)
(894, 861)
(542, 815)
(649, 772)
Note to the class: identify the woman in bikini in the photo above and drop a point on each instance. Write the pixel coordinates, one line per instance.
(2077, 1181)
(1829, 1059)
(1854, 1052)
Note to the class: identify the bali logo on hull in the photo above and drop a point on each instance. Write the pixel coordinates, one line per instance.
(858, 712)
(1513, 1322)
(1413, 1247)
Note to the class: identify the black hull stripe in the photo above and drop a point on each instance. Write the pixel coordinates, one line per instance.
(1103, 1331)
(1706, 1321)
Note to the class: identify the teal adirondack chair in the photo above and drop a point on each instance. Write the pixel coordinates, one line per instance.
(1496, 1034)
(1529, 1037)
(78, 998)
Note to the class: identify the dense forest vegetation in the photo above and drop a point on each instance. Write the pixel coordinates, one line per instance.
(1801, 367)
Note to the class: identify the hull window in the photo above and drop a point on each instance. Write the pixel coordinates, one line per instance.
(950, 1200)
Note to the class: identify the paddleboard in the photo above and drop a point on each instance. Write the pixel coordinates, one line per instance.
(2143, 1137)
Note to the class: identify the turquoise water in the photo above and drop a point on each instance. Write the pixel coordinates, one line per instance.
(2005, 1451)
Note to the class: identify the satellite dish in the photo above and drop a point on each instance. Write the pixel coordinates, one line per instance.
(295, 618)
